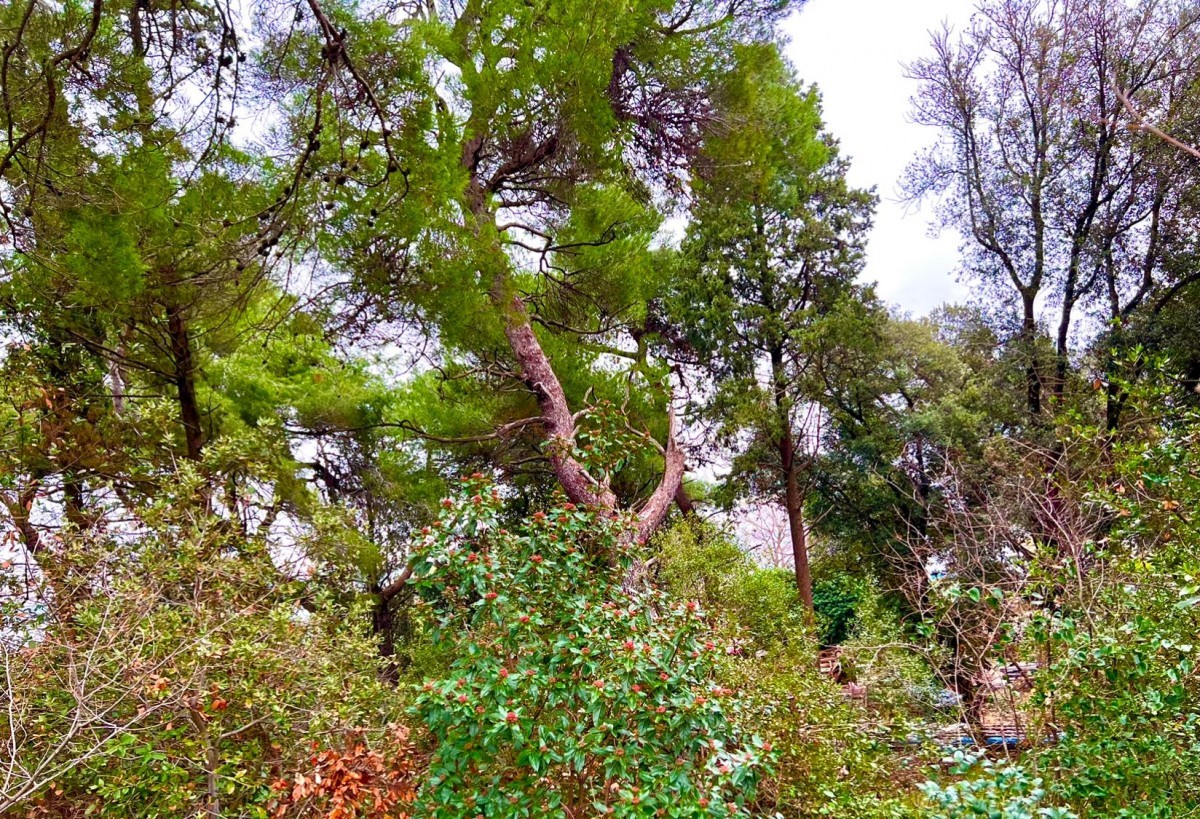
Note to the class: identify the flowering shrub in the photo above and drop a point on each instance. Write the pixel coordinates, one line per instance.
(568, 696)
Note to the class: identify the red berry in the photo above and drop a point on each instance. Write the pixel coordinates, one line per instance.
(490, 596)
(511, 718)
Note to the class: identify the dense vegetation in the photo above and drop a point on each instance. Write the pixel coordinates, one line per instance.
(475, 409)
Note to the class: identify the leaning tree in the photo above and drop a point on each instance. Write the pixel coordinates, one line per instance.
(535, 149)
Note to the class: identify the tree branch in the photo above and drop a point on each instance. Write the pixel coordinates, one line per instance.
(1140, 124)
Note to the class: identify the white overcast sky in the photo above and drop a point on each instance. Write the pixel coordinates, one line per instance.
(853, 51)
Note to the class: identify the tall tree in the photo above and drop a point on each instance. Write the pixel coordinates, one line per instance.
(775, 242)
(1059, 200)
(553, 136)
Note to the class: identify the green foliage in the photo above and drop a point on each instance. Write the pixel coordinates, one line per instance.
(833, 758)
(1124, 701)
(198, 680)
(836, 600)
(773, 246)
(1122, 691)
(757, 606)
(240, 366)
(566, 694)
(990, 790)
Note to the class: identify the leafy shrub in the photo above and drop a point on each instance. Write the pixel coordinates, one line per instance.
(989, 790)
(179, 675)
(836, 598)
(757, 606)
(1122, 690)
(1127, 704)
(191, 686)
(835, 757)
(569, 695)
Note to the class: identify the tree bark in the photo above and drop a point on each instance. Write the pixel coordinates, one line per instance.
(185, 382)
(535, 369)
(793, 497)
(687, 507)
(538, 375)
(383, 626)
(1033, 381)
(794, 504)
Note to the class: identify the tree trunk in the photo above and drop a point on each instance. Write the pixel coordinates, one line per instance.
(537, 373)
(185, 382)
(793, 498)
(1033, 383)
(794, 504)
(559, 422)
(383, 626)
(683, 500)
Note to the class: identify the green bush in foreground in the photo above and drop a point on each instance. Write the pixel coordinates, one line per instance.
(569, 696)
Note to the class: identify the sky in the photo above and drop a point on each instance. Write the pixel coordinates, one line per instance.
(853, 50)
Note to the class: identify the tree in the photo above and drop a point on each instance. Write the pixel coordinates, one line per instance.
(907, 399)
(775, 243)
(538, 174)
(1040, 166)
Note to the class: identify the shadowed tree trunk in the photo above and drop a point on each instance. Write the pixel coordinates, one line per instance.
(185, 382)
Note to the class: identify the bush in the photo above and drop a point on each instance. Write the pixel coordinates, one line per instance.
(191, 684)
(1122, 690)
(835, 757)
(836, 599)
(989, 790)
(567, 695)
